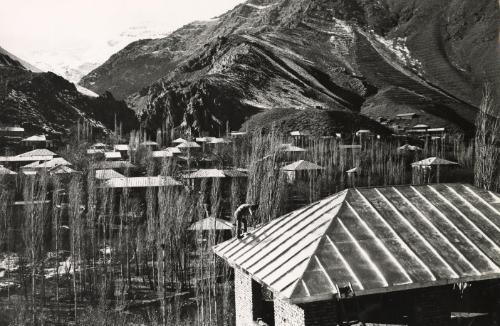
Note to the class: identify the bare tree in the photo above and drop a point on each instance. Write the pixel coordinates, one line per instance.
(487, 142)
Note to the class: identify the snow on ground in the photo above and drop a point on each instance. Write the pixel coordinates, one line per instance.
(258, 7)
(9, 262)
(65, 267)
(398, 47)
(8, 284)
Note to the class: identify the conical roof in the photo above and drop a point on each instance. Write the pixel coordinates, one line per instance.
(211, 223)
(302, 165)
(375, 239)
(433, 161)
(5, 171)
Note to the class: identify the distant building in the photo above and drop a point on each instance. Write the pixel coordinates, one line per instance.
(11, 133)
(112, 156)
(370, 256)
(406, 116)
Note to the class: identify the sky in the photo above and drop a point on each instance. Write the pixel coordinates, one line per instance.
(28, 27)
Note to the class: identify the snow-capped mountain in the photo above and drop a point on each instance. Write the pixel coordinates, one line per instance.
(73, 63)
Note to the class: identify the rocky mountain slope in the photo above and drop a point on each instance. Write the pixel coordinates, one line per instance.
(47, 103)
(373, 57)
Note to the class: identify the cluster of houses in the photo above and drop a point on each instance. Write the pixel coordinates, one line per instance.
(407, 255)
(403, 125)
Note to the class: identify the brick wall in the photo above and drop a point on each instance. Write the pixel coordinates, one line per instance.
(320, 313)
(243, 298)
(431, 307)
(287, 314)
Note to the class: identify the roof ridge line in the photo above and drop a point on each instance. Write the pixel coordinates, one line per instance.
(343, 203)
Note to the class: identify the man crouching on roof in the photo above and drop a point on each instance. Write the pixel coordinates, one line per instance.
(241, 218)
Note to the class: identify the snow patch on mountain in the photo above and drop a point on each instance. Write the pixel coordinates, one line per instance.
(86, 91)
(398, 47)
(258, 7)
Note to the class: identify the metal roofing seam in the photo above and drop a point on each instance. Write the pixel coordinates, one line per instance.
(294, 224)
(445, 238)
(441, 258)
(380, 243)
(365, 255)
(475, 209)
(403, 243)
(346, 264)
(481, 252)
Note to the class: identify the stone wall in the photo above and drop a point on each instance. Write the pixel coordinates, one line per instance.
(287, 314)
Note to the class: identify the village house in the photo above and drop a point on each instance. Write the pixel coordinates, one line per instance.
(403, 255)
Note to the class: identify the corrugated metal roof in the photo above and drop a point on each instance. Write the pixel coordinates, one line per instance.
(53, 163)
(205, 173)
(113, 155)
(38, 152)
(301, 166)
(105, 165)
(235, 173)
(121, 147)
(215, 173)
(25, 159)
(107, 174)
(211, 223)
(141, 182)
(62, 169)
(433, 161)
(377, 239)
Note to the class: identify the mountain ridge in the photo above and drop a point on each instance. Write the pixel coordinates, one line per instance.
(43, 102)
(312, 54)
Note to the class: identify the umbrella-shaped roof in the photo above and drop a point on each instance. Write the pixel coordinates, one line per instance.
(37, 138)
(179, 141)
(354, 170)
(376, 239)
(433, 161)
(302, 166)
(5, 171)
(210, 224)
(409, 148)
(290, 148)
(188, 144)
(149, 143)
